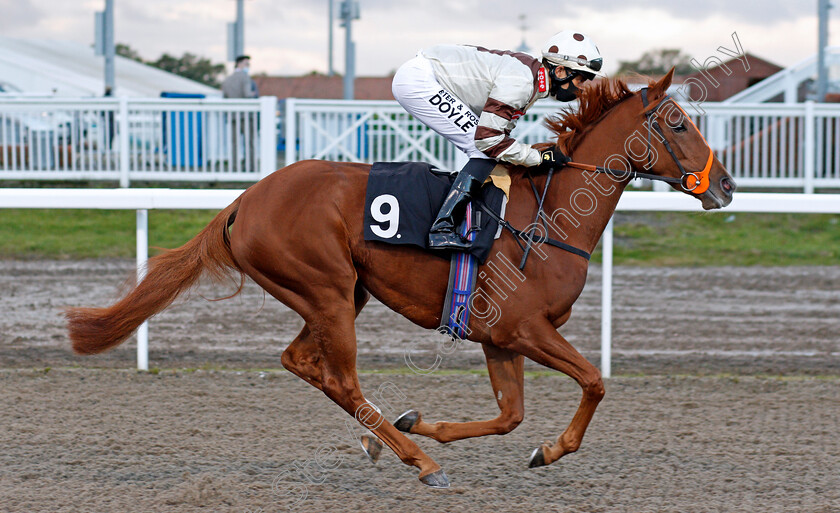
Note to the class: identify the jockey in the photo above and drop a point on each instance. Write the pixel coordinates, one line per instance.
(473, 97)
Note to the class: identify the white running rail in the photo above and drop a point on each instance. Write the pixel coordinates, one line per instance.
(142, 200)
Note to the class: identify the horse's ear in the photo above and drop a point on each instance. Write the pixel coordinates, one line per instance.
(658, 89)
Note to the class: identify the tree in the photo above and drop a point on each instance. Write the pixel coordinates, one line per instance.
(124, 50)
(658, 62)
(200, 69)
(193, 67)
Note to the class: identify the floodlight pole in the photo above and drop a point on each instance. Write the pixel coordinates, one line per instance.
(330, 70)
(236, 33)
(822, 72)
(349, 12)
(110, 50)
(240, 28)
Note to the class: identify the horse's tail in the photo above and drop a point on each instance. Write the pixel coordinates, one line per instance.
(94, 330)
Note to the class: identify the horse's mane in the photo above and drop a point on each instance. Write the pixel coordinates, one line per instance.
(594, 102)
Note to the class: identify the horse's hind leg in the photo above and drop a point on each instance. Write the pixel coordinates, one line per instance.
(303, 356)
(339, 381)
(324, 354)
(507, 377)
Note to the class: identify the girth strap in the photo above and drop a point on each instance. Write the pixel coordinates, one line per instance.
(532, 239)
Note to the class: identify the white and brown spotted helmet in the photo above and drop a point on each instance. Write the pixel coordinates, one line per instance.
(573, 50)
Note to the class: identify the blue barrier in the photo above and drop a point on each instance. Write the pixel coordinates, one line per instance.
(183, 134)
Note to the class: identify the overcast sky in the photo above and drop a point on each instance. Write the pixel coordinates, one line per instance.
(289, 37)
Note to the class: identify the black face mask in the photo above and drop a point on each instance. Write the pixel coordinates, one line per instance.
(563, 95)
(566, 95)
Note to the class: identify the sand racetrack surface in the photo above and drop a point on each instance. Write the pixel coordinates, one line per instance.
(108, 440)
(744, 320)
(726, 397)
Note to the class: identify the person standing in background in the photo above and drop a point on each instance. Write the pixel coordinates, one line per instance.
(240, 85)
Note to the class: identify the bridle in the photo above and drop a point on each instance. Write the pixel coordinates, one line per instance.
(698, 182)
(693, 182)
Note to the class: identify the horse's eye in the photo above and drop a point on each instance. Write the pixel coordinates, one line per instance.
(680, 128)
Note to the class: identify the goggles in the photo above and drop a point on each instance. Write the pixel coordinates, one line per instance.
(594, 64)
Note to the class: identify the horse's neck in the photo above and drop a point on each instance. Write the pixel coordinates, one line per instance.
(585, 201)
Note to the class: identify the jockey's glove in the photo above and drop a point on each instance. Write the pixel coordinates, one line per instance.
(552, 159)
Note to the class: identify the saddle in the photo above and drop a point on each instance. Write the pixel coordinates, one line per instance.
(401, 203)
(403, 198)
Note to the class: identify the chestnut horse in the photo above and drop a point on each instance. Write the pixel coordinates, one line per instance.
(298, 233)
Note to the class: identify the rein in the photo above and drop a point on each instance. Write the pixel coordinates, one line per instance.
(693, 182)
(529, 236)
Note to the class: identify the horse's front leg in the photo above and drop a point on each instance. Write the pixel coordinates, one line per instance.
(506, 370)
(538, 340)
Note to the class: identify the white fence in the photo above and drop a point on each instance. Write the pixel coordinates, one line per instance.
(381, 131)
(775, 144)
(761, 145)
(142, 200)
(126, 139)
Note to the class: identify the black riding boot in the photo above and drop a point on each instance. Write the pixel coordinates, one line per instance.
(442, 235)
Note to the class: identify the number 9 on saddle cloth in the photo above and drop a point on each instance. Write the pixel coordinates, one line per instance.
(403, 199)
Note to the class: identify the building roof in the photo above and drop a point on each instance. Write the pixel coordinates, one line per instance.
(792, 84)
(69, 69)
(379, 88)
(365, 88)
(725, 80)
(324, 87)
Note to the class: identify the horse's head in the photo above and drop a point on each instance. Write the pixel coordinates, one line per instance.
(674, 148)
(643, 133)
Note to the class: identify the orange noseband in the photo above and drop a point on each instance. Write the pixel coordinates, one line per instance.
(696, 183)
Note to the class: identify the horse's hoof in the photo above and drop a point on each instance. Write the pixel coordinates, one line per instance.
(537, 458)
(436, 479)
(407, 420)
(372, 447)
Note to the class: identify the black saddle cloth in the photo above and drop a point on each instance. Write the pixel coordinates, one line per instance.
(403, 199)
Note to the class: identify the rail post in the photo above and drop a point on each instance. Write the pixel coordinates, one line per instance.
(124, 156)
(291, 131)
(810, 151)
(268, 135)
(606, 300)
(142, 258)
